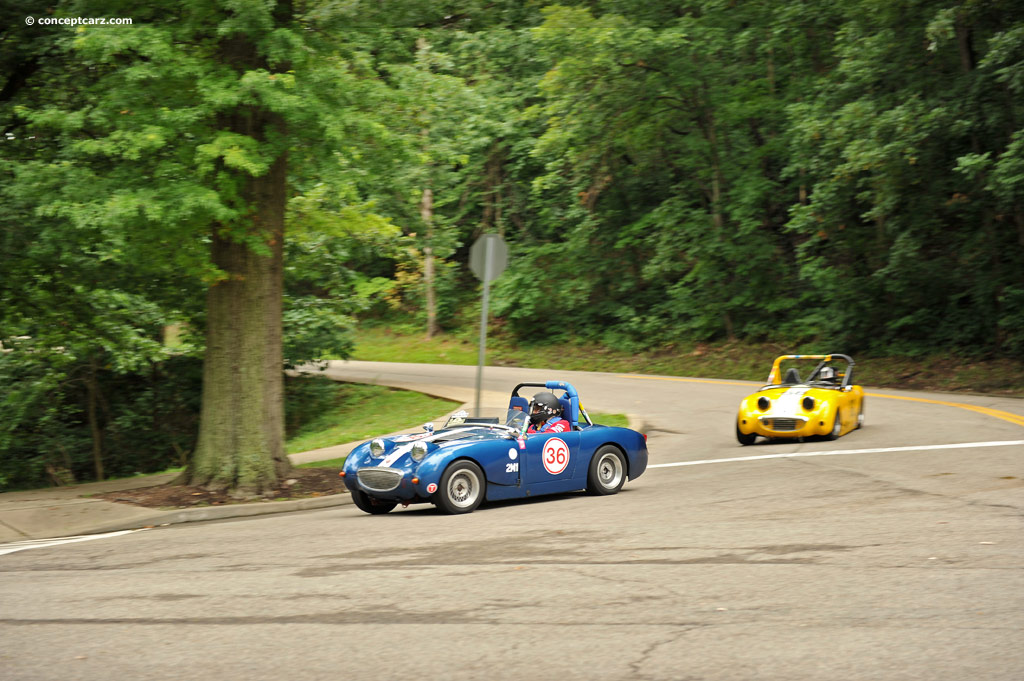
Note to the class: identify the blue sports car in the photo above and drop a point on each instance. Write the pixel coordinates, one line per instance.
(470, 460)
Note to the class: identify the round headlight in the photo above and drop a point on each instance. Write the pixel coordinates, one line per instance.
(808, 403)
(763, 403)
(419, 450)
(377, 448)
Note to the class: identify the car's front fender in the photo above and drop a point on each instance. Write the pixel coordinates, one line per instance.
(493, 457)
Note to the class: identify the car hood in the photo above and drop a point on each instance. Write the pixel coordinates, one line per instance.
(786, 399)
(399, 446)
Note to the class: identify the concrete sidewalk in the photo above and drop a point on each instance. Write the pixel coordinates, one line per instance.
(68, 511)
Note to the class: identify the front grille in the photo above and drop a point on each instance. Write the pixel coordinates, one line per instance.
(379, 479)
(782, 424)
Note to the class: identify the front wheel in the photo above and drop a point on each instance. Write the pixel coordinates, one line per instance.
(461, 489)
(837, 427)
(607, 471)
(745, 438)
(364, 502)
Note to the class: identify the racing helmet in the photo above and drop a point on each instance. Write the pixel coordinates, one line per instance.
(543, 407)
(827, 374)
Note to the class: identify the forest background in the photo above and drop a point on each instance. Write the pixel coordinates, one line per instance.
(800, 175)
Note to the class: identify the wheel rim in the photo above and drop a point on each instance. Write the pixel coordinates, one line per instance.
(837, 426)
(463, 489)
(609, 470)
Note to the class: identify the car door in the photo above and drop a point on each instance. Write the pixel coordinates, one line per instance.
(551, 457)
(501, 462)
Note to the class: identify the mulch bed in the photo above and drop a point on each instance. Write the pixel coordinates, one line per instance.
(301, 483)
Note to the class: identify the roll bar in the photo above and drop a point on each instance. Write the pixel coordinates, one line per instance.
(575, 408)
(774, 375)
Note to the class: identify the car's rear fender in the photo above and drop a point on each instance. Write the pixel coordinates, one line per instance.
(631, 443)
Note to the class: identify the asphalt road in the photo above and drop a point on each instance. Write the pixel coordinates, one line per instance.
(904, 563)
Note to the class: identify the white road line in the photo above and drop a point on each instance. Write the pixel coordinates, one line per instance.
(841, 452)
(56, 541)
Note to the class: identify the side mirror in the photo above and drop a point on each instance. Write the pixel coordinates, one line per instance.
(429, 427)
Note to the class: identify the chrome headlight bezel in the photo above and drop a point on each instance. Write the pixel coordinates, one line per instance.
(377, 448)
(418, 451)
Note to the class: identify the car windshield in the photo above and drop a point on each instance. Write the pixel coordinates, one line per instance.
(511, 418)
(808, 371)
(461, 426)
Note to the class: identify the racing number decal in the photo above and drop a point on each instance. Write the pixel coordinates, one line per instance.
(555, 455)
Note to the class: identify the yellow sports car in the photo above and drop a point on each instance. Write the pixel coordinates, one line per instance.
(826, 403)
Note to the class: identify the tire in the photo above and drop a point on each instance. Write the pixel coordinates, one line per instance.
(364, 502)
(607, 471)
(837, 427)
(860, 416)
(745, 438)
(461, 488)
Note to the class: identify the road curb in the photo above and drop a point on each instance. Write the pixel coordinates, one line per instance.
(191, 515)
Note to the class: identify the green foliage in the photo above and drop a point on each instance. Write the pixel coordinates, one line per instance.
(908, 234)
(131, 148)
(663, 174)
(147, 419)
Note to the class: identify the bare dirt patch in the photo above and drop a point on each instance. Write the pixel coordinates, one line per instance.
(301, 483)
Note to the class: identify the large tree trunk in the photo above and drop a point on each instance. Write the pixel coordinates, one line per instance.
(241, 428)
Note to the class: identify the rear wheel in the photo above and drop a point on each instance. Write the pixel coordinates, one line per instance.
(607, 471)
(461, 489)
(364, 502)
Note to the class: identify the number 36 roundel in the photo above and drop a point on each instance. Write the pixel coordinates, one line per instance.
(556, 456)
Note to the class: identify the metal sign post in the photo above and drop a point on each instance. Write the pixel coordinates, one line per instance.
(487, 259)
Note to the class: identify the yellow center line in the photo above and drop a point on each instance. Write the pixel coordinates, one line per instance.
(987, 411)
(688, 380)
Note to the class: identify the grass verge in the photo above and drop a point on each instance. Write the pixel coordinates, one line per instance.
(360, 412)
(737, 361)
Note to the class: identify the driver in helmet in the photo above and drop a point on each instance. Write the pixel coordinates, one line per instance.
(827, 375)
(546, 415)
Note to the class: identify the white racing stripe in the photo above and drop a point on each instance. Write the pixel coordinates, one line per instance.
(842, 452)
(57, 541)
(788, 403)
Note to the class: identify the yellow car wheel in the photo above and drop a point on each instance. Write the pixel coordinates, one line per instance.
(745, 438)
(837, 427)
